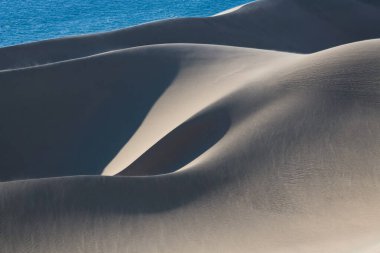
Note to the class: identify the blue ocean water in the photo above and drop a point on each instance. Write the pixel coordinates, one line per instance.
(24, 21)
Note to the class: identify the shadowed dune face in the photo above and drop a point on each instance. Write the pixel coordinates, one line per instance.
(182, 145)
(79, 112)
(371, 2)
(202, 148)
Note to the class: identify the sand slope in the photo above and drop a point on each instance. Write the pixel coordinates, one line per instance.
(302, 26)
(191, 147)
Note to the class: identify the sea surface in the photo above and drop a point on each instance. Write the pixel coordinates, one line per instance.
(24, 21)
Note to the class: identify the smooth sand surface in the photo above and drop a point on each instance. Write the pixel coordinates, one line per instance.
(253, 131)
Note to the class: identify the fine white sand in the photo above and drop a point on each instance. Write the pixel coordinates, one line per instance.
(253, 131)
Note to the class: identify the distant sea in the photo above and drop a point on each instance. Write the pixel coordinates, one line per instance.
(24, 21)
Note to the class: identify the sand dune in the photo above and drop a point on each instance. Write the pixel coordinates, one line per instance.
(260, 135)
(302, 26)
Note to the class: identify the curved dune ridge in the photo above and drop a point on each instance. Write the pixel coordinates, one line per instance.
(256, 130)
